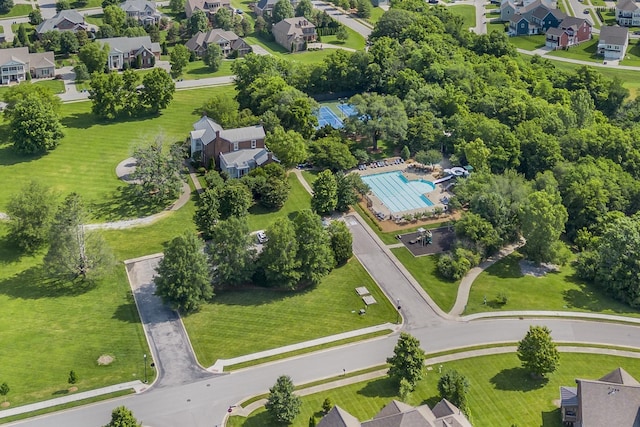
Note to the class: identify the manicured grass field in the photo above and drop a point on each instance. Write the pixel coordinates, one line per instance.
(556, 291)
(252, 320)
(50, 328)
(501, 393)
(56, 86)
(528, 42)
(261, 218)
(355, 40)
(495, 26)
(86, 158)
(17, 10)
(468, 13)
(423, 269)
(376, 14)
(199, 70)
(585, 52)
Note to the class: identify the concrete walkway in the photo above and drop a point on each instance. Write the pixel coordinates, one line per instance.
(137, 386)
(329, 46)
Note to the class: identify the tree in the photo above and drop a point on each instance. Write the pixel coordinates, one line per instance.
(116, 17)
(179, 58)
(477, 154)
(304, 8)
(331, 153)
(177, 6)
(184, 278)
(63, 5)
(207, 212)
(327, 405)
(123, 417)
(325, 189)
(454, 387)
(213, 56)
(158, 172)
(314, 247)
(30, 213)
(157, 91)
(106, 3)
(341, 242)
(68, 43)
(223, 19)
(81, 72)
(73, 252)
(23, 37)
(198, 23)
(35, 126)
(232, 253)
(543, 218)
(283, 9)
(364, 8)
(407, 361)
(94, 56)
(405, 153)
(428, 157)
(4, 390)
(6, 6)
(349, 187)
(289, 147)
(341, 33)
(282, 405)
(379, 117)
(235, 200)
(51, 40)
(278, 258)
(35, 17)
(107, 94)
(538, 352)
(73, 378)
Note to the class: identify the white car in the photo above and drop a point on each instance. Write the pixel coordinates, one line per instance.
(262, 237)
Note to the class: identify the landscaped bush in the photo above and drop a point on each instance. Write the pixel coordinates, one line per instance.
(456, 264)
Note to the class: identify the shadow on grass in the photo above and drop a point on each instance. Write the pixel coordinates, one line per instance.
(517, 379)
(79, 121)
(383, 387)
(431, 401)
(552, 418)
(126, 313)
(35, 283)
(125, 203)
(9, 253)
(508, 268)
(260, 420)
(251, 296)
(9, 156)
(590, 298)
(60, 392)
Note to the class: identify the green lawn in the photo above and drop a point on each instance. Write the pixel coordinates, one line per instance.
(585, 51)
(17, 10)
(495, 26)
(86, 158)
(56, 86)
(501, 392)
(261, 218)
(248, 321)
(376, 14)
(199, 70)
(630, 79)
(355, 40)
(423, 269)
(468, 13)
(555, 291)
(528, 42)
(632, 57)
(95, 19)
(608, 17)
(83, 322)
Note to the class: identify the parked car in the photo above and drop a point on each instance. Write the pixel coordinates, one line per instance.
(586, 11)
(262, 237)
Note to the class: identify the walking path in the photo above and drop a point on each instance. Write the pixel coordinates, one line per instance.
(329, 46)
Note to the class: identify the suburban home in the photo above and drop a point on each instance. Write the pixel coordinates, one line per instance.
(209, 7)
(65, 20)
(143, 11)
(265, 7)
(228, 41)
(135, 52)
(508, 8)
(398, 414)
(627, 13)
(294, 33)
(16, 63)
(519, 26)
(613, 400)
(545, 18)
(571, 31)
(613, 42)
(234, 151)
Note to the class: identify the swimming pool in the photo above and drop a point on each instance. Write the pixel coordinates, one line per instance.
(398, 193)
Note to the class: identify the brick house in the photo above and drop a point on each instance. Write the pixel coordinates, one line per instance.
(132, 51)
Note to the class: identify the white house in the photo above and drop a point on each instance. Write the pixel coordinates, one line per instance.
(143, 11)
(627, 13)
(613, 42)
(15, 63)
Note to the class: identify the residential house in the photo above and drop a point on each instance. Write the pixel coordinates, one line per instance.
(228, 41)
(508, 8)
(545, 18)
(398, 414)
(209, 7)
(16, 63)
(65, 20)
(294, 33)
(627, 13)
(519, 26)
(613, 400)
(613, 42)
(570, 31)
(133, 52)
(234, 151)
(265, 7)
(143, 11)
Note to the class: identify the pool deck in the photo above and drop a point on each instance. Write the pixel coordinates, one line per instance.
(411, 173)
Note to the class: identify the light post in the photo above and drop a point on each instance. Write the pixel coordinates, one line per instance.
(399, 307)
(145, 368)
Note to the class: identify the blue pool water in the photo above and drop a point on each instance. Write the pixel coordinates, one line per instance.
(398, 193)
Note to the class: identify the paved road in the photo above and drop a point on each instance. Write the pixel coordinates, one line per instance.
(342, 17)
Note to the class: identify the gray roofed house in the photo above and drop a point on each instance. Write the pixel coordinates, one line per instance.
(265, 7)
(613, 42)
(627, 13)
(398, 414)
(15, 63)
(228, 41)
(613, 400)
(143, 11)
(65, 20)
(294, 33)
(132, 51)
(209, 7)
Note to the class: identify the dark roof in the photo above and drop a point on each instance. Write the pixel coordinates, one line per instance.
(338, 417)
(573, 22)
(619, 376)
(613, 35)
(555, 32)
(517, 18)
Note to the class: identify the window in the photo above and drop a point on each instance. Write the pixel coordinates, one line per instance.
(253, 143)
(235, 146)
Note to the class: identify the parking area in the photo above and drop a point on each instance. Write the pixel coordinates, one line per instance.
(441, 241)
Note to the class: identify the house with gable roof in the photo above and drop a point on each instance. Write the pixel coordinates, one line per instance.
(627, 13)
(569, 32)
(398, 414)
(508, 8)
(294, 33)
(228, 41)
(209, 7)
(16, 63)
(613, 400)
(131, 51)
(234, 151)
(265, 7)
(143, 11)
(613, 42)
(65, 20)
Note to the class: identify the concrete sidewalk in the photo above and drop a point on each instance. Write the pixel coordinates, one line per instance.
(137, 386)
(542, 313)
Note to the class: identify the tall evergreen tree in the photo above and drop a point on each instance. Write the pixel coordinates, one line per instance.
(407, 362)
(314, 247)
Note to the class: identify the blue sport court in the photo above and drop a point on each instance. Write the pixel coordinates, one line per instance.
(397, 193)
(347, 110)
(328, 117)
